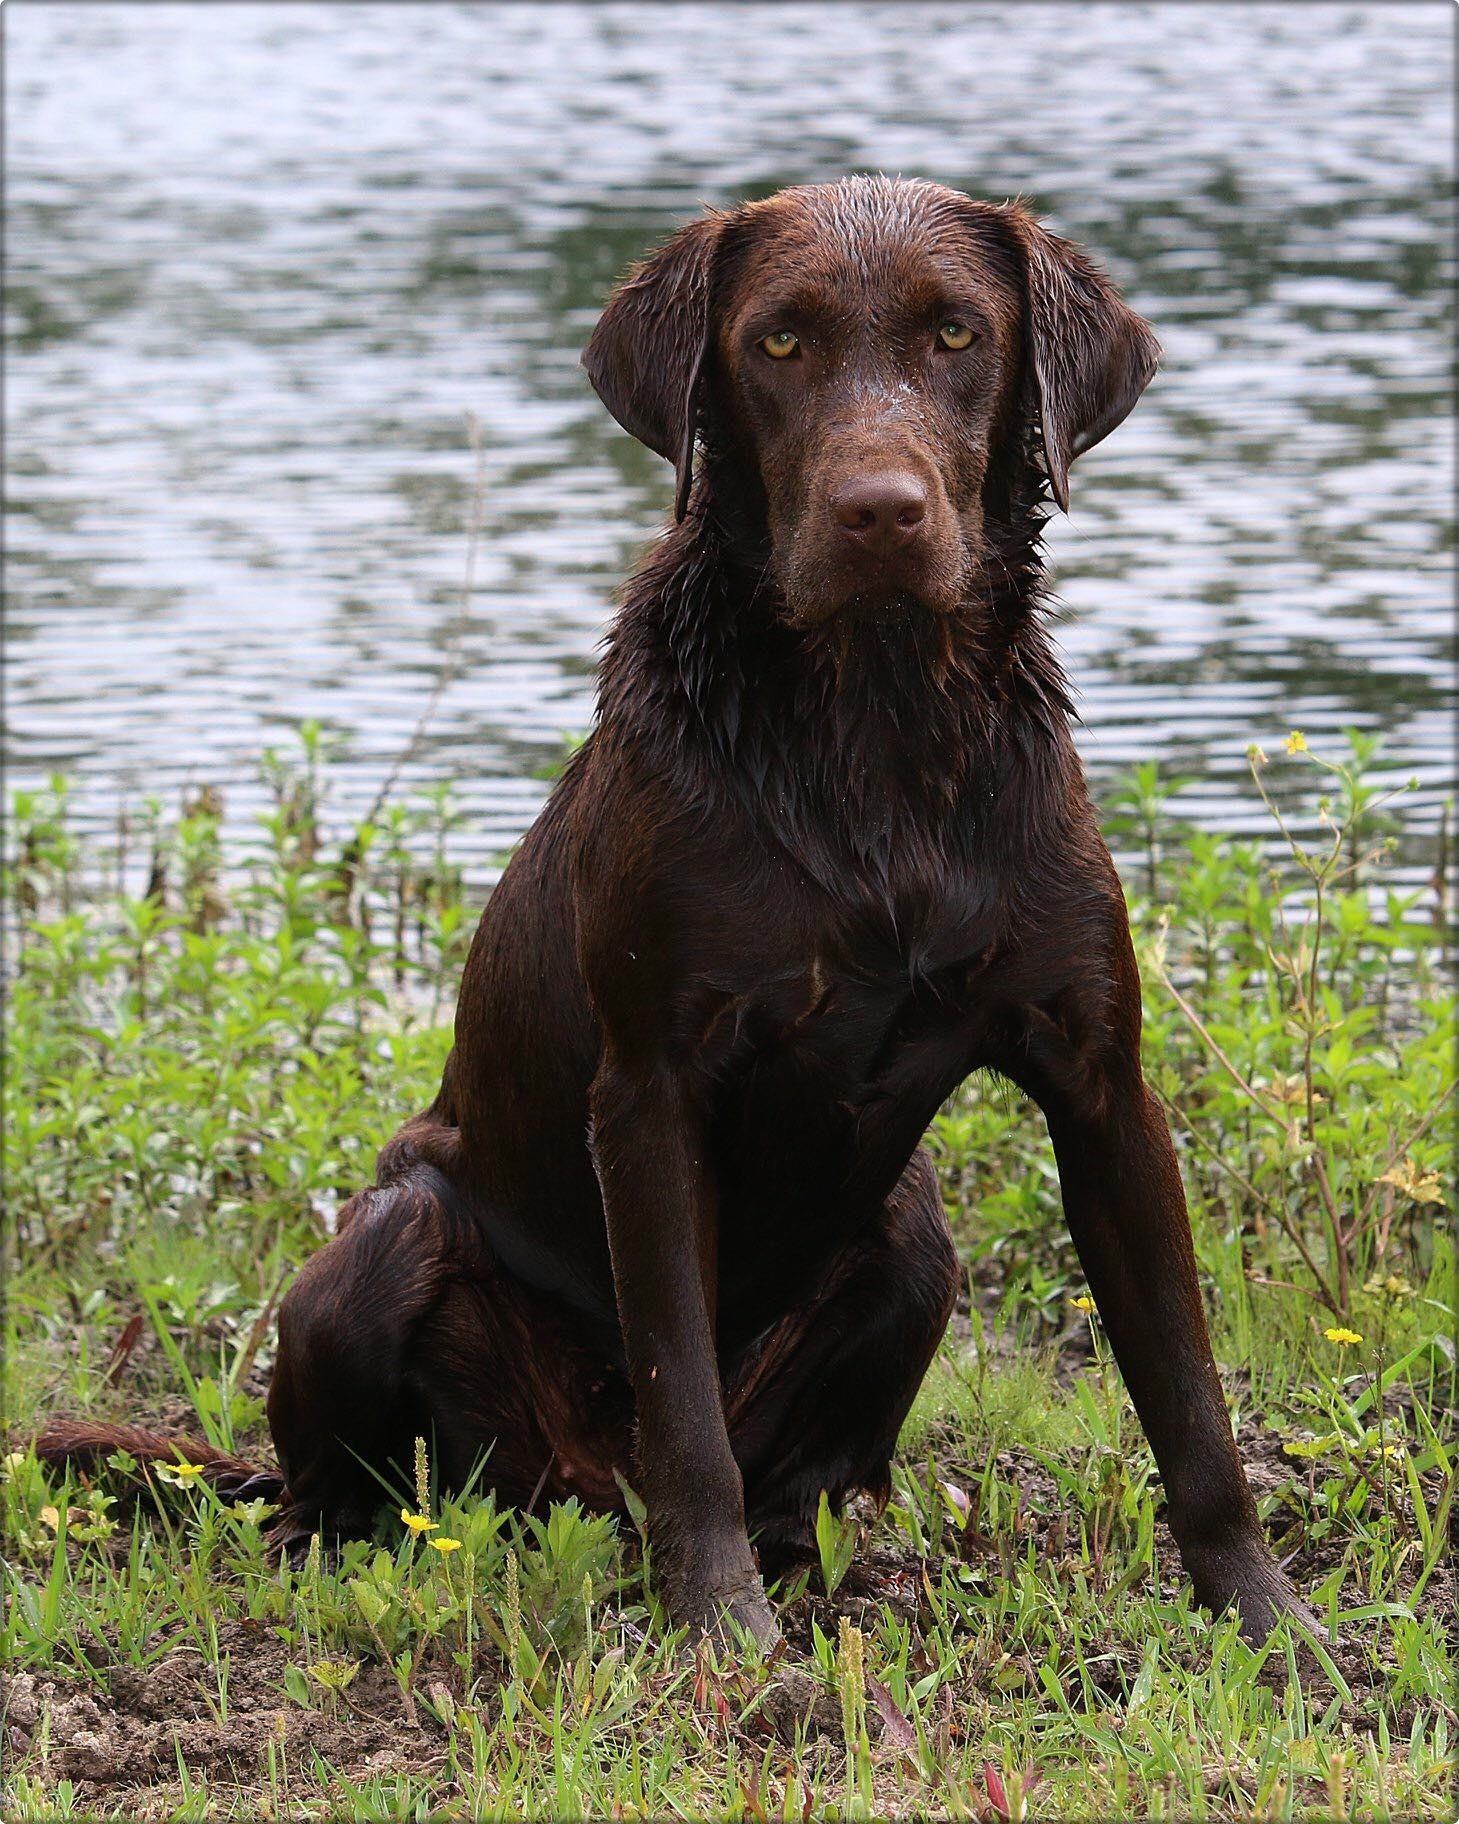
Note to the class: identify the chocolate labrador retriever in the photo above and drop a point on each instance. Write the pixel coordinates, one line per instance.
(827, 851)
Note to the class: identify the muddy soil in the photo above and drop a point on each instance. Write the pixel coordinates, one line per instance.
(120, 1736)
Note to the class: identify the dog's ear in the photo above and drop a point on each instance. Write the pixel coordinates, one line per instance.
(647, 354)
(1092, 356)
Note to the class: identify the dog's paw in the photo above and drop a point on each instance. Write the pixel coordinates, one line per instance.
(728, 1618)
(1261, 1610)
(1247, 1578)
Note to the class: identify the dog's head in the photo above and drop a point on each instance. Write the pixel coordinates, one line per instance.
(857, 358)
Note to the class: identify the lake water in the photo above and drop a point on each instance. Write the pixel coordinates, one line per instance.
(265, 259)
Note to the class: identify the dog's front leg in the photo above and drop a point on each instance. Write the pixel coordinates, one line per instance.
(1126, 1210)
(659, 1201)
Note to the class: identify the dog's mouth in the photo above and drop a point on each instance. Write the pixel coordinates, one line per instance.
(875, 594)
(885, 605)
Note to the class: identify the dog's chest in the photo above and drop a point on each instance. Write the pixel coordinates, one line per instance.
(841, 1059)
(886, 973)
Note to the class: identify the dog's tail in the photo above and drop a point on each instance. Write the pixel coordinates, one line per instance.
(77, 1444)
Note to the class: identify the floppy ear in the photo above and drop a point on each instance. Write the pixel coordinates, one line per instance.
(647, 353)
(1092, 356)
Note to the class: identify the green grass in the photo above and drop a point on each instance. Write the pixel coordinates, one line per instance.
(198, 1075)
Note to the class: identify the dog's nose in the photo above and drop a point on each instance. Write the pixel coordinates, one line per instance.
(880, 512)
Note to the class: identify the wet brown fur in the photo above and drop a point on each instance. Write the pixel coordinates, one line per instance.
(828, 851)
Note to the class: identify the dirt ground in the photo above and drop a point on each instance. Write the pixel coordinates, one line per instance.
(122, 1750)
(121, 1739)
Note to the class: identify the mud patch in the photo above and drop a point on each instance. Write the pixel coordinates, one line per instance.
(122, 1739)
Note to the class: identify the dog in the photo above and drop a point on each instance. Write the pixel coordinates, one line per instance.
(827, 851)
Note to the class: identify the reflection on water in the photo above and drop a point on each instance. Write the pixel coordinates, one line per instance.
(264, 260)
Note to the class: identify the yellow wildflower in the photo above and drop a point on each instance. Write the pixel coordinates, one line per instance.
(1343, 1338)
(180, 1473)
(418, 1523)
(446, 1546)
(1083, 1303)
(1295, 743)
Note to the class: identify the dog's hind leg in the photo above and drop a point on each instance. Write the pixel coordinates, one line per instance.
(818, 1403)
(405, 1326)
(340, 1404)
(522, 1401)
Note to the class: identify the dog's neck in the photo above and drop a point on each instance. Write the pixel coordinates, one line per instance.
(858, 738)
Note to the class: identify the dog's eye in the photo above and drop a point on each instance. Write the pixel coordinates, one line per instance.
(779, 344)
(955, 336)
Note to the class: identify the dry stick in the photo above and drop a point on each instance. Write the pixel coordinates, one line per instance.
(1290, 1285)
(1340, 1237)
(1312, 1015)
(1267, 1109)
(258, 1330)
(1318, 873)
(1215, 1049)
(453, 649)
(1307, 1000)
(1273, 1209)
